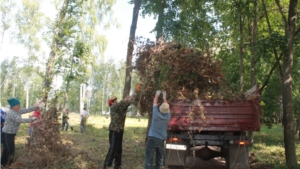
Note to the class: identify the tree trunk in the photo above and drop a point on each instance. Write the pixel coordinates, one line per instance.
(253, 56)
(241, 51)
(66, 96)
(297, 129)
(54, 47)
(288, 112)
(135, 16)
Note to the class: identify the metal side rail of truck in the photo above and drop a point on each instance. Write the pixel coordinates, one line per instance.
(207, 129)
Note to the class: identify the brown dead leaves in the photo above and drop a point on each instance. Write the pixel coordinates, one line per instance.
(185, 73)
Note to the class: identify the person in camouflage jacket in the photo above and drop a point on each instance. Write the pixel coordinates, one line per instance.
(118, 112)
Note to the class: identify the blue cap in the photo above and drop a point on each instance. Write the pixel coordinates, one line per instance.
(13, 102)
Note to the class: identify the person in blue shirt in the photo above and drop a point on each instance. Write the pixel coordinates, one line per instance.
(157, 132)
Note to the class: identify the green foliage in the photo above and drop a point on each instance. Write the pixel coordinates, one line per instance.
(6, 7)
(214, 26)
(272, 96)
(30, 23)
(163, 74)
(211, 26)
(267, 43)
(15, 79)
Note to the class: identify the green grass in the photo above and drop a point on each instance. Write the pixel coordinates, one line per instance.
(89, 149)
(95, 140)
(269, 147)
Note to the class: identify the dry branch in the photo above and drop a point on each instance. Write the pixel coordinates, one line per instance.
(185, 73)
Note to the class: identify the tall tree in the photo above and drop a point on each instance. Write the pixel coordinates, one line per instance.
(130, 48)
(76, 24)
(6, 7)
(76, 68)
(288, 112)
(253, 32)
(54, 48)
(241, 45)
(29, 21)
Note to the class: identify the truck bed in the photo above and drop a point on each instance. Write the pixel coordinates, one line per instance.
(219, 115)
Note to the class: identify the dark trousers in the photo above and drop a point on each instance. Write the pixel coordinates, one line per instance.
(2, 137)
(154, 146)
(115, 149)
(82, 124)
(8, 149)
(65, 123)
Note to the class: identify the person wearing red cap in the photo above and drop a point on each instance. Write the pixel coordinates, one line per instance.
(116, 129)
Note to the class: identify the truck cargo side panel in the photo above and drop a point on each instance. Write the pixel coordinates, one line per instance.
(237, 115)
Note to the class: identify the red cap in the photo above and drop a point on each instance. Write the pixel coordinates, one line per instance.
(111, 100)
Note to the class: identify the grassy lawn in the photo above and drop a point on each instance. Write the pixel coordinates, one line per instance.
(269, 147)
(89, 149)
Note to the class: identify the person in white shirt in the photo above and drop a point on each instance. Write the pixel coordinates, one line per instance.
(84, 114)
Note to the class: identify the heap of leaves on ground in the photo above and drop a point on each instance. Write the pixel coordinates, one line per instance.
(45, 148)
(183, 72)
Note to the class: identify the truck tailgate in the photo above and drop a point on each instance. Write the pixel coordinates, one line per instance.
(205, 115)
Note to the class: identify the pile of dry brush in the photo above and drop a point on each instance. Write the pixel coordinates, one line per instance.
(184, 73)
(45, 148)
